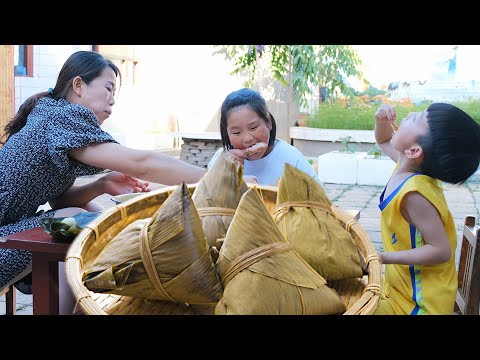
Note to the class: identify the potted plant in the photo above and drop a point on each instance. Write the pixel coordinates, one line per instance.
(375, 168)
(302, 119)
(340, 166)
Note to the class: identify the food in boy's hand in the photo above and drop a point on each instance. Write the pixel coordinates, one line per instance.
(394, 126)
(255, 149)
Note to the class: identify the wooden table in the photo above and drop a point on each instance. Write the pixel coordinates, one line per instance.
(46, 253)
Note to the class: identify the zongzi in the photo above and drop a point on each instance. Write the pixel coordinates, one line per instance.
(262, 274)
(305, 219)
(162, 258)
(216, 198)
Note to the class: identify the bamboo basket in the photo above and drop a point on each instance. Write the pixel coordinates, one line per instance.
(361, 295)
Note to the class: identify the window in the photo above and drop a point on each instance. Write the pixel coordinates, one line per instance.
(23, 60)
(128, 72)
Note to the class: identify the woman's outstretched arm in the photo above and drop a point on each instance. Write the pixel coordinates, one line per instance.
(148, 165)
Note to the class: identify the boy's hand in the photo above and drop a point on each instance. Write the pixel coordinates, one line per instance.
(384, 118)
(385, 113)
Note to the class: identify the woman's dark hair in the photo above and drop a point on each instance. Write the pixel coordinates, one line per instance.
(452, 145)
(252, 99)
(87, 64)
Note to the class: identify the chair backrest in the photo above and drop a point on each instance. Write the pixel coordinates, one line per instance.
(10, 299)
(468, 293)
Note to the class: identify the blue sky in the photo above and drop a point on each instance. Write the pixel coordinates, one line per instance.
(387, 63)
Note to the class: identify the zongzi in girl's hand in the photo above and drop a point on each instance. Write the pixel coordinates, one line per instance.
(255, 149)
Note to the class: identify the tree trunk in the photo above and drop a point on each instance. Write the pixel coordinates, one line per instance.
(320, 94)
(290, 96)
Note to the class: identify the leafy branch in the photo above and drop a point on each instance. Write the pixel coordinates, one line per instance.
(349, 145)
(304, 67)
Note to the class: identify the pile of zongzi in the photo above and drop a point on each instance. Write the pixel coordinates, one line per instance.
(269, 263)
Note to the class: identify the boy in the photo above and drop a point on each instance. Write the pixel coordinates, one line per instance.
(418, 232)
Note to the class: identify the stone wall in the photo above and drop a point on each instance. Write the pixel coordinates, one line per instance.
(199, 151)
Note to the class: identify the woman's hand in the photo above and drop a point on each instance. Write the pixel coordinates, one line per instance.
(116, 183)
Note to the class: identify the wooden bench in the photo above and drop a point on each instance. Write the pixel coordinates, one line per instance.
(10, 299)
(468, 293)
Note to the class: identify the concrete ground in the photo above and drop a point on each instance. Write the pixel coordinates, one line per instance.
(463, 200)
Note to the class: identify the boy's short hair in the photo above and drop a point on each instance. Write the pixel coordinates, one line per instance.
(452, 145)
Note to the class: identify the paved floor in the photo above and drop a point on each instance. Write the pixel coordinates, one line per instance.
(463, 200)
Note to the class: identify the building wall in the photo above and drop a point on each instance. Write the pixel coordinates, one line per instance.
(177, 88)
(47, 62)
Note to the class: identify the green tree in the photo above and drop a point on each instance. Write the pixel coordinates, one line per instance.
(300, 68)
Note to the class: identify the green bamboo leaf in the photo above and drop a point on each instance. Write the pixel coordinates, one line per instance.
(66, 228)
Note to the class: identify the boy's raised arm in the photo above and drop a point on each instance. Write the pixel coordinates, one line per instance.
(384, 119)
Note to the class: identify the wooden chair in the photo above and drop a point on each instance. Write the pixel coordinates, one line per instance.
(10, 299)
(468, 293)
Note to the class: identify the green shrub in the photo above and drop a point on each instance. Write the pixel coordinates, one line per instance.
(349, 145)
(376, 151)
(471, 107)
(358, 115)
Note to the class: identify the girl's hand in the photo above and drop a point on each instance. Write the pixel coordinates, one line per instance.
(386, 113)
(115, 183)
(238, 155)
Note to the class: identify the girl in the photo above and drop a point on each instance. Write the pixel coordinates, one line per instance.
(245, 121)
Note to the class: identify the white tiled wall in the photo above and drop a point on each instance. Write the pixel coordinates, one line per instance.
(47, 61)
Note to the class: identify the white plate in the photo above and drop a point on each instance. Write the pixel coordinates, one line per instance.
(118, 199)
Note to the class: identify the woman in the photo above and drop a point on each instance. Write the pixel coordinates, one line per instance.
(56, 137)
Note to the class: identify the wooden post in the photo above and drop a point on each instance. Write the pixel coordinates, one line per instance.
(7, 85)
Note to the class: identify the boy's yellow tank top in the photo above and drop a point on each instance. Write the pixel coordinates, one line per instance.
(420, 289)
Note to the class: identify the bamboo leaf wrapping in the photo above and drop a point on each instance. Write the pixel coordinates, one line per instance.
(220, 189)
(179, 254)
(279, 282)
(315, 233)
